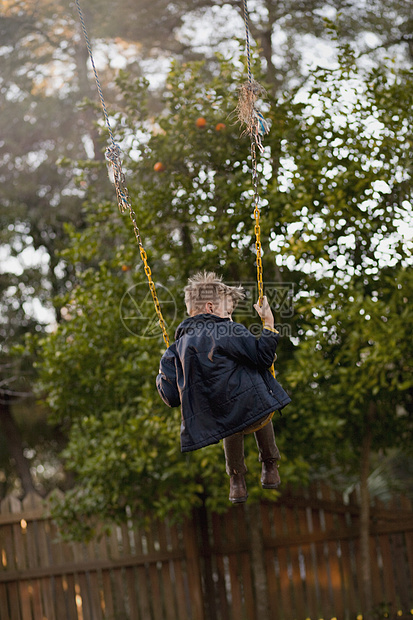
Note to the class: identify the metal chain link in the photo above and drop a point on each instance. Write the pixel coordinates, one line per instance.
(112, 154)
(124, 203)
(257, 230)
(148, 273)
(99, 89)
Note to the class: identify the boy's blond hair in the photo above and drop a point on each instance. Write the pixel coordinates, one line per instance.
(208, 286)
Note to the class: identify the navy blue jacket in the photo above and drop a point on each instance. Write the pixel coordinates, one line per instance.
(218, 372)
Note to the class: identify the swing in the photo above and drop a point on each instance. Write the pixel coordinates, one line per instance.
(256, 128)
(112, 155)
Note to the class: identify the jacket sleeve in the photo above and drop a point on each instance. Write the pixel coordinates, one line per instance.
(247, 349)
(166, 380)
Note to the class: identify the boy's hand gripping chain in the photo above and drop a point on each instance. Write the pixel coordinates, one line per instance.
(256, 127)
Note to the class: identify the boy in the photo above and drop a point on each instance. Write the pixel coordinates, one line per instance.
(219, 373)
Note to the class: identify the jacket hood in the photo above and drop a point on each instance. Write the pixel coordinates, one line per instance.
(196, 321)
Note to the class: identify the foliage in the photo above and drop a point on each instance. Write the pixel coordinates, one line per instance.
(44, 125)
(194, 214)
(350, 195)
(98, 369)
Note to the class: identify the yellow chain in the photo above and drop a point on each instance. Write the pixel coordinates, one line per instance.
(113, 156)
(258, 250)
(125, 204)
(257, 221)
(154, 294)
(257, 230)
(148, 273)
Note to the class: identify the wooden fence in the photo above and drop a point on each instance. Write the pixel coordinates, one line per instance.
(294, 559)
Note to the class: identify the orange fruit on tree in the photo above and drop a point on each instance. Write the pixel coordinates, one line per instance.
(200, 122)
(159, 167)
(220, 127)
(126, 268)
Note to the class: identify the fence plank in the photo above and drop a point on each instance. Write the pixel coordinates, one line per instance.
(129, 572)
(246, 564)
(152, 538)
(65, 585)
(376, 584)
(407, 506)
(221, 573)
(14, 601)
(33, 501)
(321, 563)
(94, 579)
(8, 555)
(356, 550)
(95, 599)
(388, 573)
(310, 582)
(83, 601)
(236, 595)
(344, 520)
(274, 596)
(334, 558)
(208, 578)
(402, 571)
(284, 563)
(194, 570)
(296, 576)
(117, 573)
(142, 585)
(19, 531)
(43, 533)
(168, 594)
(4, 608)
(179, 577)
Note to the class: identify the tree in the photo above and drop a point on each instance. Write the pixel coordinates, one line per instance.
(42, 125)
(337, 188)
(193, 213)
(348, 192)
(43, 80)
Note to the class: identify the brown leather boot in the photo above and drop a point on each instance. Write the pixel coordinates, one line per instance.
(237, 489)
(270, 478)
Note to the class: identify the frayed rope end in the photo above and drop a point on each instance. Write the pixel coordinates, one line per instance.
(248, 114)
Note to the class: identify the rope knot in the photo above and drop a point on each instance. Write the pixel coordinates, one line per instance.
(117, 176)
(113, 153)
(249, 115)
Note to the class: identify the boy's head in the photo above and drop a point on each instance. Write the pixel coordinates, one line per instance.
(207, 294)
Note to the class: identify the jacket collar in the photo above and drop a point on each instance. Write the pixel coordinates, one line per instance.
(192, 321)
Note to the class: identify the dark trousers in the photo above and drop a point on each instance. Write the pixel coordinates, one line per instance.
(234, 449)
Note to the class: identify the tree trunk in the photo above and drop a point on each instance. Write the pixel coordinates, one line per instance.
(367, 595)
(15, 444)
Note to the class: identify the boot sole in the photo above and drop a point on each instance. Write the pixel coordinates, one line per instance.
(270, 486)
(238, 500)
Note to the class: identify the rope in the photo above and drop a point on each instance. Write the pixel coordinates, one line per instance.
(256, 127)
(89, 49)
(248, 113)
(247, 38)
(113, 154)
